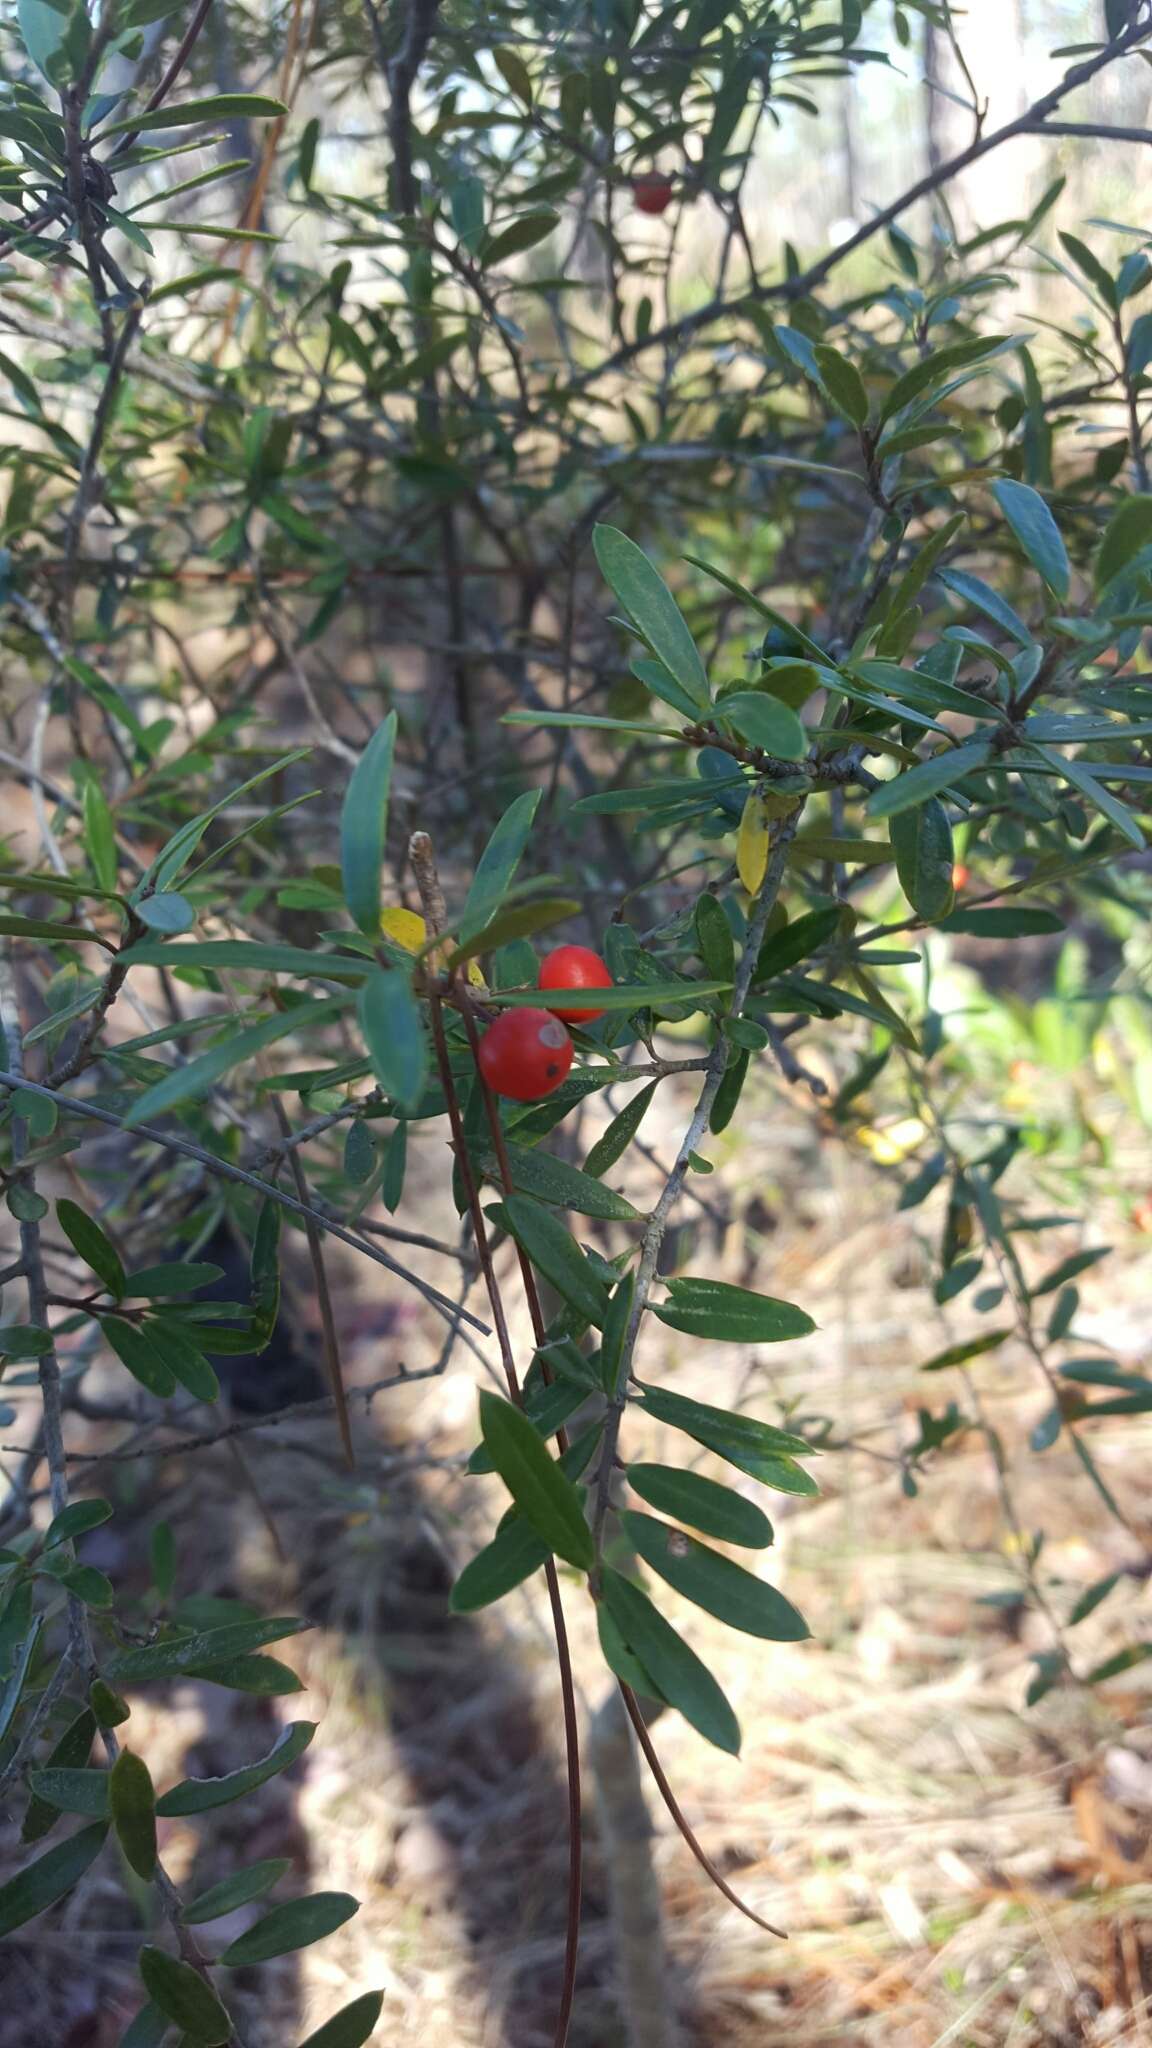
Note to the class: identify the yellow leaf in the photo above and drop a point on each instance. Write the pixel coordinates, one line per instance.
(407, 928)
(752, 844)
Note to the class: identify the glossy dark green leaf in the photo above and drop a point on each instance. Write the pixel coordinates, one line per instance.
(703, 1504)
(520, 234)
(352, 2026)
(51, 1877)
(515, 1552)
(616, 1326)
(652, 608)
(186, 1997)
(215, 956)
(922, 843)
(1036, 531)
(364, 826)
(1070, 1269)
(539, 1488)
(684, 1681)
(714, 941)
(549, 1179)
(728, 1094)
(497, 865)
(555, 1253)
(166, 912)
(294, 1925)
(622, 1661)
(1128, 531)
(754, 1447)
(86, 1237)
(202, 1795)
(394, 1035)
(713, 1309)
(735, 1596)
(173, 1277)
(132, 1803)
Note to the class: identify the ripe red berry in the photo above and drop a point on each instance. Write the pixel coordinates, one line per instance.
(525, 1054)
(652, 192)
(960, 876)
(573, 967)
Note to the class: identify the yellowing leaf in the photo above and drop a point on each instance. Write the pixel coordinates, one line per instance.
(752, 843)
(404, 926)
(407, 928)
(888, 1147)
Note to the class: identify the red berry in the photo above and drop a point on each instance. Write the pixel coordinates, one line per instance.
(652, 192)
(525, 1054)
(960, 876)
(573, 967)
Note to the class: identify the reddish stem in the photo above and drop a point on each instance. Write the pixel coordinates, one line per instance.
(563, 1653)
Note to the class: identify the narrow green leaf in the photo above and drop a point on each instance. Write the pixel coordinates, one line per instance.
(797, 941)
(552, 1180)
(959, 1354)
(556, 1254)
(138, 1354)
(172, 1277)
(149, 2029)
(71, 1752)
(515, 1552)
(72, 1790)
(238, 1890)
(714, 1309)
(1037, 532)
(519, 921)
(184, 1359)
(200, 1076)
(86, 1237)
(15, 927)
(843, 383)
(133, 1806)
(702, 1503)
(203, 1795)
(922, 842)
(534, 1479)
(294, 1925)
(222, 106)
(186, 1997)
(172, 1658)
(652, 608)
(735, 1596)
(393, 1032)
(928, 778)
(1003, 921)
(100, 836)
(364, 826)
(684, 1681)
(40, 1884)
(754, 1447)
(614, 1142)
(351, 2027)
(497, 865)
(616, 1324)
(1076, 772)
(636, 995)
(1127, 532)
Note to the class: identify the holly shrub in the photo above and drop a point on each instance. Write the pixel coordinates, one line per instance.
(761, 622)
